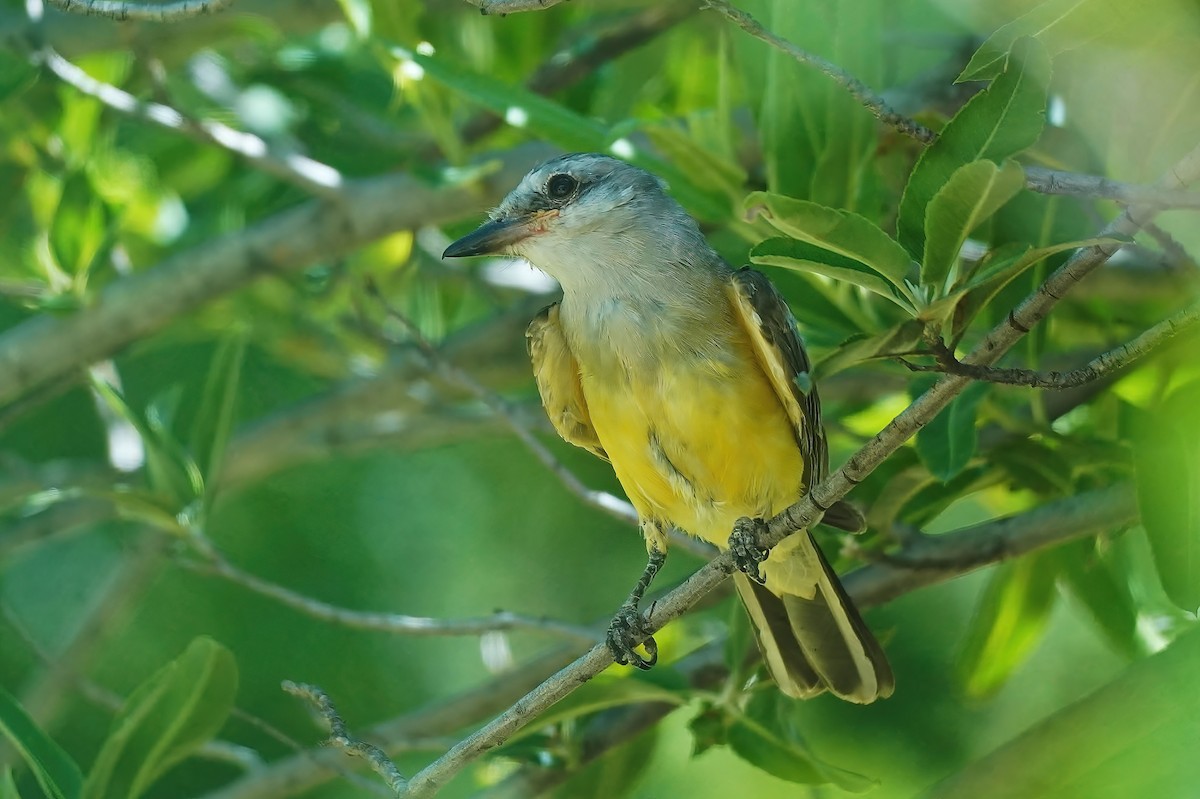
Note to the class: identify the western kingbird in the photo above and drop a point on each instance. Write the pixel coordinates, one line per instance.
(691, 379)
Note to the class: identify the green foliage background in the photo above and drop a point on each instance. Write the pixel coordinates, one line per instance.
(417, 500)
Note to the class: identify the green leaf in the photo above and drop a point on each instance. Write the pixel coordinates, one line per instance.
(214, 419)
(995, 124)
(80, 228)
(54, 770)
(16, 74)
(1134, 737)
(947, 444)
(1012, 615)
(899, 340)
(358, 14)
(1060, 25)
(548, 119)
(164, 721)
(8, 788)
(1167, 465)
(1106, 594)
(613, 775)
(170, 472)
(804, 257)
(841, 232)
(763, 737)
(973, 193)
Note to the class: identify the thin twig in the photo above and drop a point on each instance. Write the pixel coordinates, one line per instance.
(1100, 366)
(340, 737)
(312, 176)
(215, 563)
(1174, 252)
(147, 12)
(502, 7)
(1052, 181)
(857, 89)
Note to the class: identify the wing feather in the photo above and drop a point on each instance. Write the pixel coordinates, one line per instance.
(557, 375)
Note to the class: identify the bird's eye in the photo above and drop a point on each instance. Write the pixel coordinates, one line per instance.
(561, 186)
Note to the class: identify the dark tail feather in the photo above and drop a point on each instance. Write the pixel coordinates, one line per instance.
(845, 516)
(817, 644)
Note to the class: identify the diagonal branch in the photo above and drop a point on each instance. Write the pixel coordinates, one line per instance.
(1100, 366)
(1053, 181)
(147, 12)
(503, 7)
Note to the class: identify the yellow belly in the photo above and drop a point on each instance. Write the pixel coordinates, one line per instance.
(697, 446)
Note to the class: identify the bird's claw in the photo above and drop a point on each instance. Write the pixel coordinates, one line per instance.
(627, 630)
(747, 552)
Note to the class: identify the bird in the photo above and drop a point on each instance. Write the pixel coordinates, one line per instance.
(691, 379)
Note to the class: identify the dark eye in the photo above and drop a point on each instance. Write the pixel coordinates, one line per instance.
(560, 187)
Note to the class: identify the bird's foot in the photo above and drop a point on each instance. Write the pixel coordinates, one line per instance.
(747, 552)
(628, 629)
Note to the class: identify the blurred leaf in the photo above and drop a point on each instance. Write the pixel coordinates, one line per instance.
(214, 419)
(8, 788)
(972, 194)
(55, 771)
(168, 468)
(818, 142)
(762, 738)
(16, 74)
(358, 14)
(544, 117)
(1032, 464)
(947, 444)
(738, 643)
(995, 124)
(1134, 737)
(1094, 581)
(165, 720)
(614, 774)
(80, 227)
(1058, 24)
(1167, 464)
(1012, 615)
(710, 171)
(928, 503)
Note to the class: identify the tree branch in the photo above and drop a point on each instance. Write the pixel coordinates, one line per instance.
(216, 564)
(46, 347)
(1052, 181)
(146, 12)
(340, 737)
(1100, 366)
(503, 7)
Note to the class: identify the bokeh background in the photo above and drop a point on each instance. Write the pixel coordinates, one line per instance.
(305, 433)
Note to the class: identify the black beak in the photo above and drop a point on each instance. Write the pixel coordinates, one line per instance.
(490, 237)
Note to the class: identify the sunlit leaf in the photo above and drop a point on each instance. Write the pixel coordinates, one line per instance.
(972, 194)
(8, 787)
(164, 721)
(55, 771)
(995, 124)
(1132, 737)
(1012, 615)
(1059, 25)
(804, 257)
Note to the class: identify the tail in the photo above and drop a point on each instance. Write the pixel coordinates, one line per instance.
(818, 644)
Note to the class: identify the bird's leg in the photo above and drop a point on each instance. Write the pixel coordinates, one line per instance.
(747, 552)
(628, 627)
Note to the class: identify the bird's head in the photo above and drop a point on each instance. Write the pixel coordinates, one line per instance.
(582, 212)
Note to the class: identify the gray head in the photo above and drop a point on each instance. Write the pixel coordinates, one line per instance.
(587, 217)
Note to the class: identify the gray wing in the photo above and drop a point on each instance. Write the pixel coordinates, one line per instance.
(781, 354)
(557, 375)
